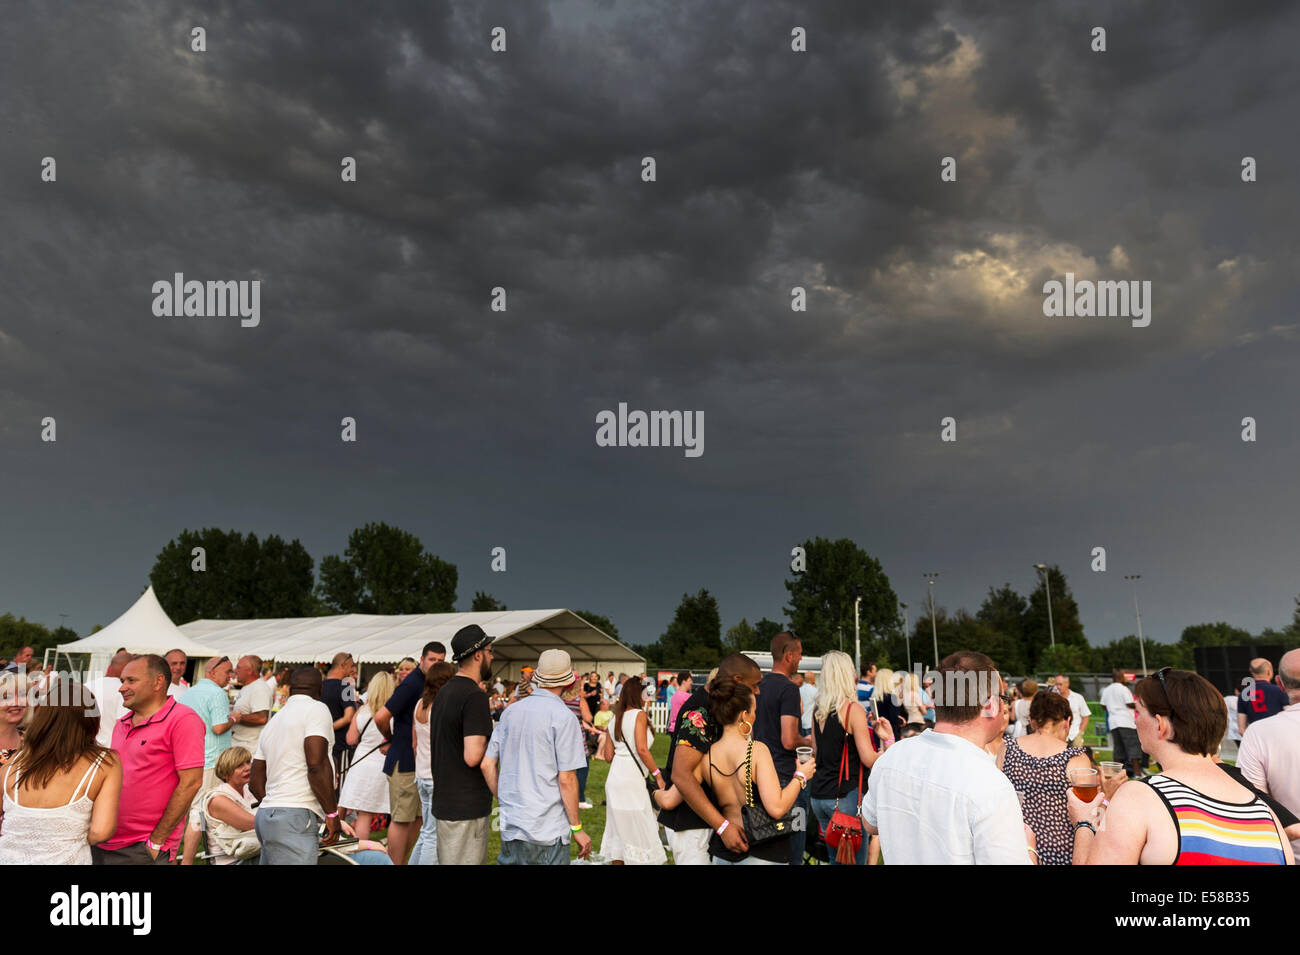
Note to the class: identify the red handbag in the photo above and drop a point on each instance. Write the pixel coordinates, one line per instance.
(844, 834)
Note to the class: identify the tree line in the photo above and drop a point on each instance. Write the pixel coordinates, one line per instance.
(1009, 626)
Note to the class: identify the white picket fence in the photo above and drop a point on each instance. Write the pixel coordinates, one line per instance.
(658, 713)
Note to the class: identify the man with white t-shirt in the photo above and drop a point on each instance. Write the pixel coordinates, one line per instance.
(1121, 713)
(253, 705)
(939, 798)
(109, 698)
(177, 661)
(293, 776)
(1080, 715)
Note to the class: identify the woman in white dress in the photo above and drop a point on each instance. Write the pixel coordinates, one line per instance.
(631, 828)
(365, 787)
(61, 790)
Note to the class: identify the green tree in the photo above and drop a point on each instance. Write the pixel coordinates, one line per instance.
(19, 632)
(764, 631)
(484, 602)
(599, 621)
(739, 637)
(1065, 621)
(1215, 635)
(243, 577)
(1004, 610)
(386, 570)
(694, 638)
(1065, 658)
(822, 596)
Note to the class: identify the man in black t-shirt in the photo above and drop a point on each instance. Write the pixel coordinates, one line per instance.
(341, 710)
(460, 725)
(690, 824)
(777, 726)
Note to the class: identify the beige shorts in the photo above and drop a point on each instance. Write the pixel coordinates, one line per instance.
(403, 797)
(463, 841)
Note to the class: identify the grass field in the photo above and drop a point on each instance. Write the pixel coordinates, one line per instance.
(593, 820)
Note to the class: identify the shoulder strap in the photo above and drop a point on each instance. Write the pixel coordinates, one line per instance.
(13, 764)
(87, 778)
(749, 773)
(1173, 815)
(631, 752)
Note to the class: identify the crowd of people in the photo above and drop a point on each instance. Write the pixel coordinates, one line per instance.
(851, 764)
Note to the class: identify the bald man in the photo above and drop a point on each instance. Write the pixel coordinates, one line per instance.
(1270, 750)
(1260, 698)
(109, 699)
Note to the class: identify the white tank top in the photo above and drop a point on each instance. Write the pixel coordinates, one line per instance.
(54, 836)
(423, 757)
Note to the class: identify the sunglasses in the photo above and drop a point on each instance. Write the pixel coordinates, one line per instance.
(1165, 687)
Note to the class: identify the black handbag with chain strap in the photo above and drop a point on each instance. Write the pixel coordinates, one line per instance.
(760, 827)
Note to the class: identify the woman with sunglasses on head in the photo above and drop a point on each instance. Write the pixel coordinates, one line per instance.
(1191, 813)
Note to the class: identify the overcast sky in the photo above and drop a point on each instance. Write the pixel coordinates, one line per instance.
(522, 169)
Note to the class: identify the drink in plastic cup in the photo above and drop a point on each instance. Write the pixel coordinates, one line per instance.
(803, 754)
(1111, 768)
(1086, 783)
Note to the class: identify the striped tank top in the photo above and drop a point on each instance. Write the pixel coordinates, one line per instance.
(1213, 832)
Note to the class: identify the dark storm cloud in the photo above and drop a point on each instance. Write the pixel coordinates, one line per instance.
(523, 170)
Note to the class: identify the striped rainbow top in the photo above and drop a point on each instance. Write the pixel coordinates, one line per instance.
(1213, 832)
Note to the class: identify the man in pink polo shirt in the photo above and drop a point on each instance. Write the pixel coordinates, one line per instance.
(160, 743)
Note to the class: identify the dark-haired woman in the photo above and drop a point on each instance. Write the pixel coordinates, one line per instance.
(723, 772)
(61, 790)
(426, 846)
(631, 828)
(1038, 766)
(1191, 813)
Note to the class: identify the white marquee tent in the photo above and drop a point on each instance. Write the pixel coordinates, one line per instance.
(519, 637)
(144, 628)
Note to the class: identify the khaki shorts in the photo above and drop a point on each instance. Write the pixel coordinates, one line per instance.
(463, 841)
(403, 797)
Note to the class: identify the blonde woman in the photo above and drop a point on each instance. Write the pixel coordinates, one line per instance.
(365, 787)
(886, 699)
(912, 698)
(15, 714)
(840, 724)
(228, 810)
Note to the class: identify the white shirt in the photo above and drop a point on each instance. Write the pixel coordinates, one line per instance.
(110, 707)
(281, 747)
(1234, 734)
(1078, 710)
(1117, 699)
(254, 698)
(938, 799)
(177, 690)
(1270, 758)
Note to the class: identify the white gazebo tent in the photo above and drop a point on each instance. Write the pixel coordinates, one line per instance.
(519, 637)
(144, 628)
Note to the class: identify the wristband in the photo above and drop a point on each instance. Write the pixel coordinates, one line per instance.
(655, 773)
(332, 815)
(1085, 823)
(152, 845)
(577, 828)
(723, 828)
(803, 780)
(889, 741)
